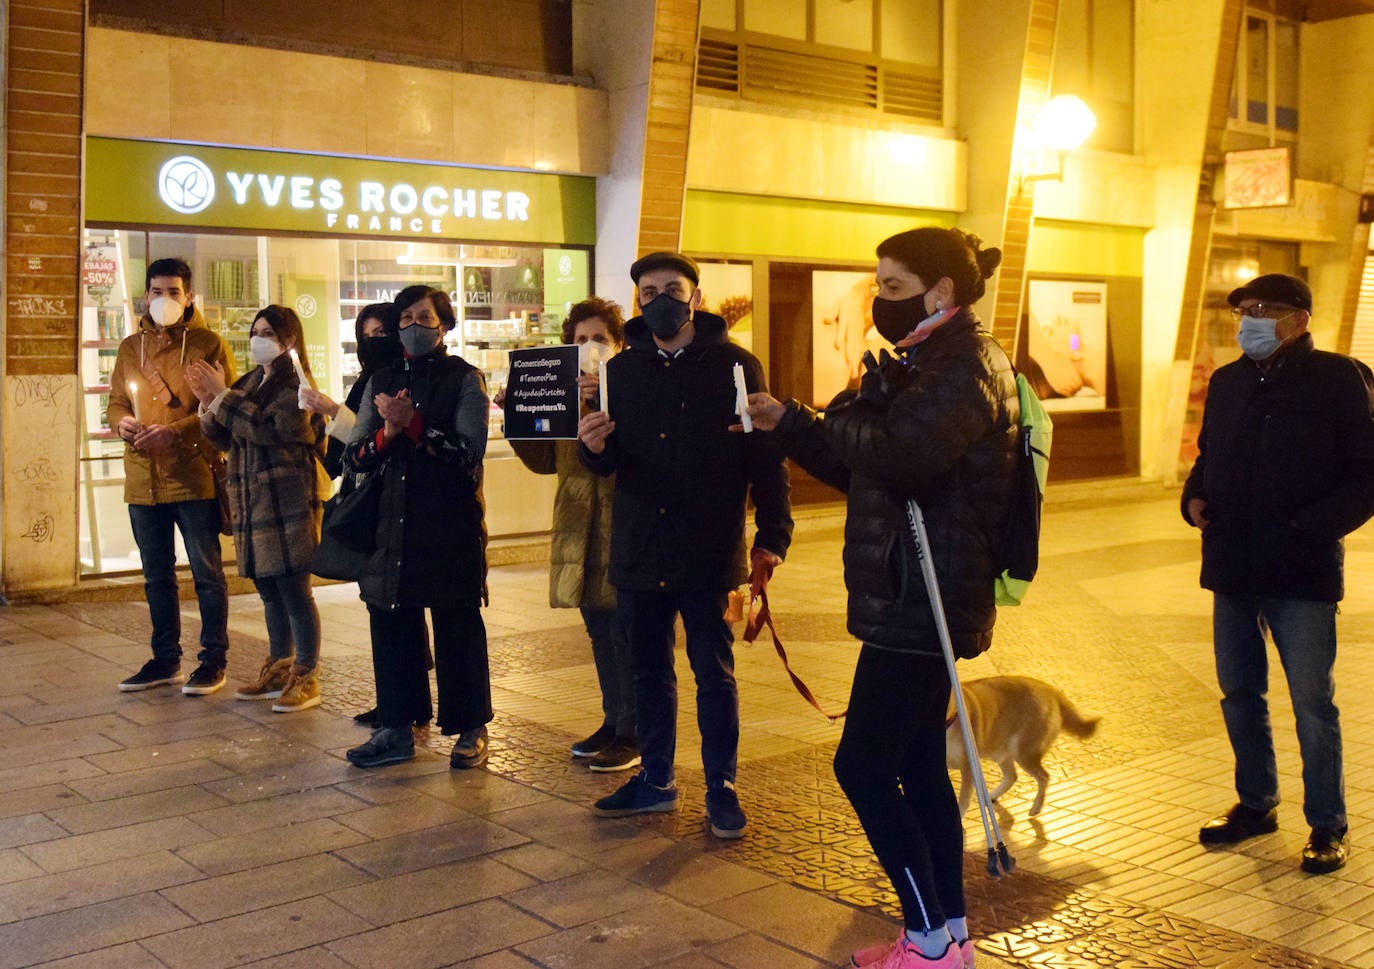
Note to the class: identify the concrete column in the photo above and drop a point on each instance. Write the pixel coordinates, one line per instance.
(1187, 49)
(986, 65)
(624, 46)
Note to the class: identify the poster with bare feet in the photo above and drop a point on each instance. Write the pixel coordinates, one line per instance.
(1066, 343)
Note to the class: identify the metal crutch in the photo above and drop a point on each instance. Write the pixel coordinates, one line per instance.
(1000, 861)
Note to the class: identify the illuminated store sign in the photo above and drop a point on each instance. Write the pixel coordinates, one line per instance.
(157, 183)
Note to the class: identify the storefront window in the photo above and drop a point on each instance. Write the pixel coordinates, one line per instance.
(727, 289)
(505, 297)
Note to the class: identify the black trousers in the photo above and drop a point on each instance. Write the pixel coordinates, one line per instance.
(400, 664)
(891, 765)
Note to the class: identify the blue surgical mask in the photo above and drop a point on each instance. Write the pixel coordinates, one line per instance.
(1257, 338)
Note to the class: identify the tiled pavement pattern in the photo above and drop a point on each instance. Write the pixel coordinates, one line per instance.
(159, 830)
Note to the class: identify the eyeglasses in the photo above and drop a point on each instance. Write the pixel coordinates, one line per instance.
(1263, 311)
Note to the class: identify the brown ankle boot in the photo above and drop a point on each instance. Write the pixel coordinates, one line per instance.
(271, 681)
(301, 693)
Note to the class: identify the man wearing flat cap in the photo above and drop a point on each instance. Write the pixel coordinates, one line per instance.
(1285, 470)
(677, 524)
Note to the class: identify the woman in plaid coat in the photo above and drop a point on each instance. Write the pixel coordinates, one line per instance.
(276, 489)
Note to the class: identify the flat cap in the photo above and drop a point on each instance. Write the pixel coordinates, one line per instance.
(665, 260)
(1274, 288)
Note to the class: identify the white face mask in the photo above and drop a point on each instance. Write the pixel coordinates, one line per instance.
(164, 311)
(590, 354)
(263, 350)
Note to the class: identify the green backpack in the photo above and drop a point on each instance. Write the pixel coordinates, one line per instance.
(1020, 554)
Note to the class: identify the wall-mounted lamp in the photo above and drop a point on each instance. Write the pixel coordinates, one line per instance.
(1063, 124)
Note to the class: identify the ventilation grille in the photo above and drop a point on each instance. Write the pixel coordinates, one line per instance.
(777, 75)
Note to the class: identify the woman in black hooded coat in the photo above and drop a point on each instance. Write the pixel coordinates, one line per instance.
(936, 423)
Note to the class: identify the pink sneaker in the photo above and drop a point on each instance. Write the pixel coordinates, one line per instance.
(868, 958)
(904, 955)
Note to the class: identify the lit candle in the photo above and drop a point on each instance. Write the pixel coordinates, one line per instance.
(601, 387)
(300, 370)
(742, 399)
(300, 376)
(133, 400)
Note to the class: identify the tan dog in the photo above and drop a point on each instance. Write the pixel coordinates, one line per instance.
(1014, 720)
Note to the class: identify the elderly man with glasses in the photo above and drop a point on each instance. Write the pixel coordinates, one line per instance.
(1285, 470)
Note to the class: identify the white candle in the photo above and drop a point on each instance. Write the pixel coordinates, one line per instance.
(601, 387)
(301, 377)
(742, 399)
(133, 400)
(300, 370)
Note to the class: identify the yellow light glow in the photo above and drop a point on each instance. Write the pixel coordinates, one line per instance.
(1064, 123)
(907, 149)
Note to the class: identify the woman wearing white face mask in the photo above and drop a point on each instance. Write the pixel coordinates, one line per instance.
(580, 552)
(276, 489)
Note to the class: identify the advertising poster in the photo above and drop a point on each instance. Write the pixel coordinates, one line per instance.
(1066, 343)
(541, 394)
(306, 295)
(727, 289)
(1258, 178)
(841, 330)
(565, 283)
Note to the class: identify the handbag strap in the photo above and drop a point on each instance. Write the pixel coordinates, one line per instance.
(759, 616)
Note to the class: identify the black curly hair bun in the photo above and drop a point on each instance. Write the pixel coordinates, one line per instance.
(933, 252)
(988, 261)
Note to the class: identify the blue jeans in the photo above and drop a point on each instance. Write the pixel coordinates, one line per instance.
(288, 605)
(1304, 633)
(614, 668)
(153, 532)
(649, 619)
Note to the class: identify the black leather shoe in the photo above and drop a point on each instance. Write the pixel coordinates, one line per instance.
(387, 745)
(1326, 850)
(1237, 824)
(367, 718)
(469, 750)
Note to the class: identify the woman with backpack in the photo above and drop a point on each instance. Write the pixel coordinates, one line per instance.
(936, 422)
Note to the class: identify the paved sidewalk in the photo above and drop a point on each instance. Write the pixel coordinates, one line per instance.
(160, 830)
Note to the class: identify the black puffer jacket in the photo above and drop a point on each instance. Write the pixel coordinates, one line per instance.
(1286, 466)
(681, 475)
(432, 538)
(937, 426)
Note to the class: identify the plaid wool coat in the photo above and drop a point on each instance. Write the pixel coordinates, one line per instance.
(277, 483)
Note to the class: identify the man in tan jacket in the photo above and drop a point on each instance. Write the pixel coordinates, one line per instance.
(167, 479)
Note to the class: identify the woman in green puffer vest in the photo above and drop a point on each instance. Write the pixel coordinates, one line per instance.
(581, 546)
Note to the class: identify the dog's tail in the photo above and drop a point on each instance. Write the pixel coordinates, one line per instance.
(1074, 722)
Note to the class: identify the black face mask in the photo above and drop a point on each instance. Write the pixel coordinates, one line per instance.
(895, 318)
(375, 352)
(665, 316)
